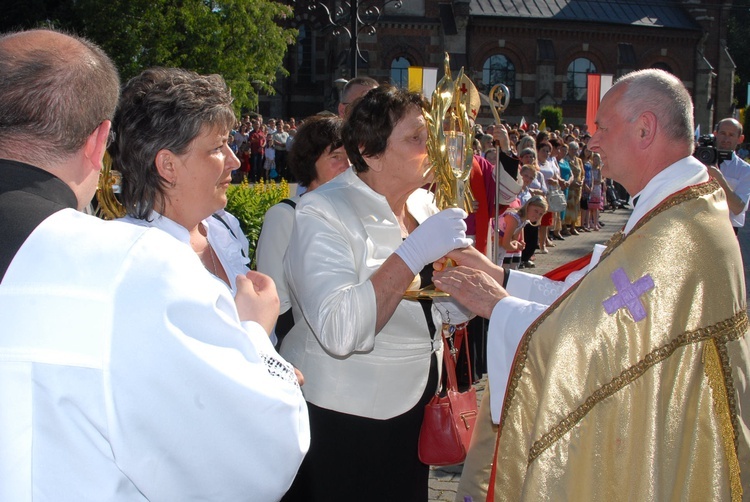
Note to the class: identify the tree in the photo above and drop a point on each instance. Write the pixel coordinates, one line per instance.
(553, 115)
(238, 39)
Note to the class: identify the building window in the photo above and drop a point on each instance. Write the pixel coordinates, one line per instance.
(498, 69)
(578, 79)
(663, 66)
(304, 55)
(400, 72)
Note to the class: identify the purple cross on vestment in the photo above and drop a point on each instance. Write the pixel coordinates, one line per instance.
(628, 294)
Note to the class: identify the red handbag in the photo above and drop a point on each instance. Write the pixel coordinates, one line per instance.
(450, 415)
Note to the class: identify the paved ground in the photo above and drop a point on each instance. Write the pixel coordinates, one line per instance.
(444, 480)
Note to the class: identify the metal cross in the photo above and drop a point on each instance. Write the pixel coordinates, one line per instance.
(628, 294)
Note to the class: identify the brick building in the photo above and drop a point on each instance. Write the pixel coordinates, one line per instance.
(541, 49)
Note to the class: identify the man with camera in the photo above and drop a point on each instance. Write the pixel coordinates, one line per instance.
(733, 174)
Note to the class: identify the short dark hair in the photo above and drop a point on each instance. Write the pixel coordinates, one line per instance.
(162, 108)
(317, 135)
(372, 120)
(52, 93)
(543, 144)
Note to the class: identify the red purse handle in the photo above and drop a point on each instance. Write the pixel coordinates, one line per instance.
(460, 336)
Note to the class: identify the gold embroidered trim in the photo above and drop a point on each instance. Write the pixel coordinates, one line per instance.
(722, 332)
(714, 371)
(519, 362)
(691, 193)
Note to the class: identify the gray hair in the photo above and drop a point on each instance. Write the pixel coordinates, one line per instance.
(51, 97)
(163, 108)
(355, 82)
(663, 94)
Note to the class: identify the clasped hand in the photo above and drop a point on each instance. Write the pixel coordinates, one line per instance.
(475, 282)
(257, 300)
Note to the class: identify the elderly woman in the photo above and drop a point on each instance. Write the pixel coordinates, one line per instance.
(369, 356)
(316, 157)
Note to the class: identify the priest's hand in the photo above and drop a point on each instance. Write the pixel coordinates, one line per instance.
(472, 258)
(474, 289)
(257, 299)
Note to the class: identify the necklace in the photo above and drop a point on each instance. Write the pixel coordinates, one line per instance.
(213, 261)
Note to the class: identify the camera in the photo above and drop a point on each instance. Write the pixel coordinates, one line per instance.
(707, 152)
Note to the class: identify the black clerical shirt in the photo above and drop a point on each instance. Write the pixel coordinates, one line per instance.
(28, 195)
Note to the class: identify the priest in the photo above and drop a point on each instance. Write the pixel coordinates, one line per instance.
(127, 371)
(631, 380)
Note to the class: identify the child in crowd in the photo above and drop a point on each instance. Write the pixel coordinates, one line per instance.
(595, 197)
(270, 154)
(509, 229)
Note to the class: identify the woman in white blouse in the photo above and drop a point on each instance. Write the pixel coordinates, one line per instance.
(368, 355)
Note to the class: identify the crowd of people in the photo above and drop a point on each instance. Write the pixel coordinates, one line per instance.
(555, 165)
(262, 148)
(138, 357)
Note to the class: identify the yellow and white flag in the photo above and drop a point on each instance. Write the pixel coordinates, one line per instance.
(423, 80)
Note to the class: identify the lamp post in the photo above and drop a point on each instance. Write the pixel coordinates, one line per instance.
(257, 86)
(354, 17)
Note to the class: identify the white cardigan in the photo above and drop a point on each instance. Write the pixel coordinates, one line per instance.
(343, 232)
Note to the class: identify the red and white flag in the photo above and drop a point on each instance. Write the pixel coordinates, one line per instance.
(598, 85)
(523, 125)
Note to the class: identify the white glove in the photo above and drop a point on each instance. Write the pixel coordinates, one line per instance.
(452, 312)
(434, 238)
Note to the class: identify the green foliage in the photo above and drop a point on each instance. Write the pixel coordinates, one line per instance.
(553, 116)
(238, 39)
(250, 203)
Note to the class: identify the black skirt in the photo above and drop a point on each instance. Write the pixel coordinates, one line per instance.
(353, 458)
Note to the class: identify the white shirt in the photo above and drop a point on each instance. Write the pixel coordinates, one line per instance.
(343, 232)
(231, 247)
(737, 173)
(272, 244)
(532, 294)
(126, 375)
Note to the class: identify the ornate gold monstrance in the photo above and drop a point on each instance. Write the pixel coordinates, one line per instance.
(450, 151)
(109, 181)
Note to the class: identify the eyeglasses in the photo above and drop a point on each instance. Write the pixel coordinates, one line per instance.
(111, 137)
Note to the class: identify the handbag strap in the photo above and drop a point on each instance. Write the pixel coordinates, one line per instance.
(453, 337)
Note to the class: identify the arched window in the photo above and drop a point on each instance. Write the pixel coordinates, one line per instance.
(578, 72)
(662, 66)
(400, 72)
(498, 69)
(304, 55)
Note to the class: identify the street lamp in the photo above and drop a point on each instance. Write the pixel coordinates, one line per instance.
(257, 86)
(352, 17)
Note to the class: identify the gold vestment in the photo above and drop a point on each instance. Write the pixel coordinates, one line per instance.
(601, 406)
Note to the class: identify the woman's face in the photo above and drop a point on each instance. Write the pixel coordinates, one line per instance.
(404, 160)
(561, 152)
(535, 213)
(527, 177)
(543, 154)
(202, 175)
(330, 164)
(529, 158)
